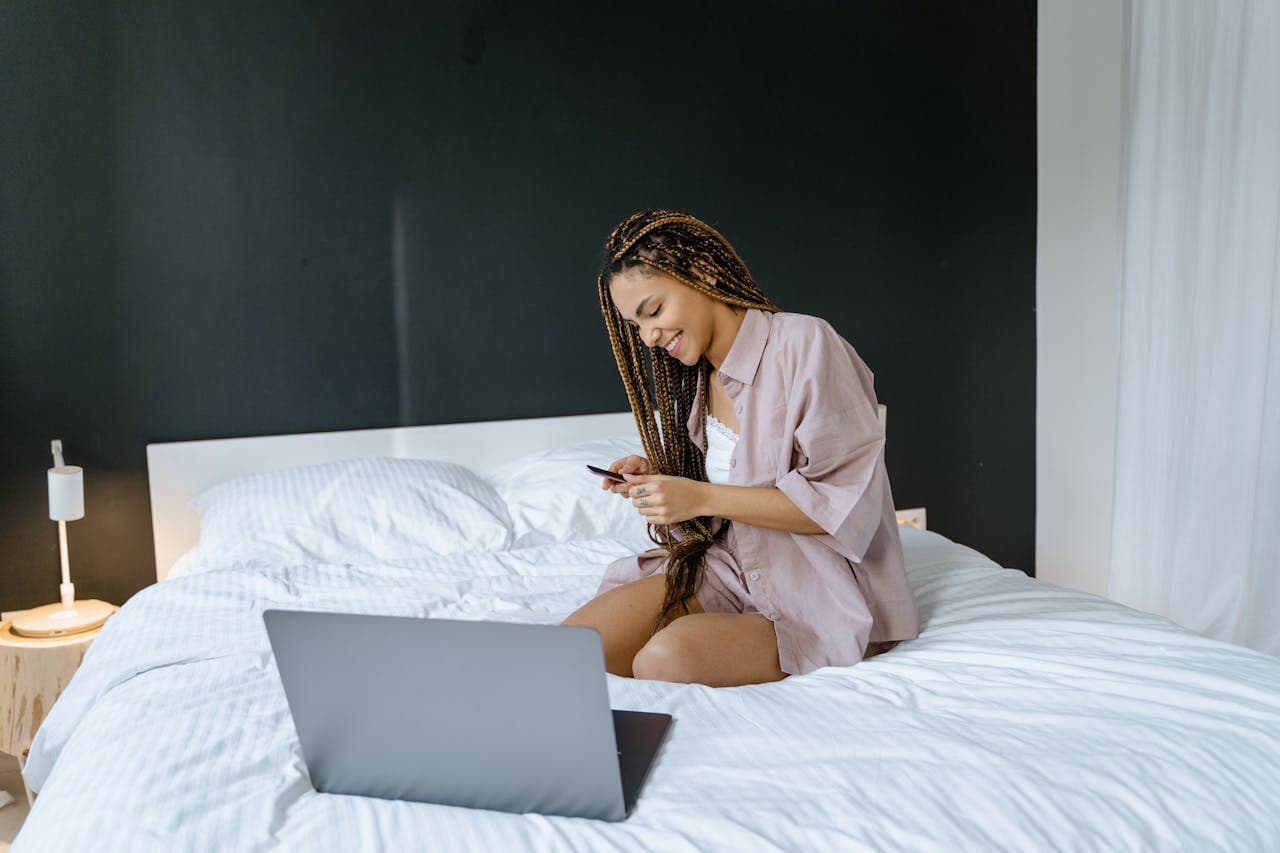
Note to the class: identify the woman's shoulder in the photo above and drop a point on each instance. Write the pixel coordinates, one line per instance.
(807, 347)
(803, 332)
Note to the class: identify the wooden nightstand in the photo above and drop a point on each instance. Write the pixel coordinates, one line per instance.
(38, 668)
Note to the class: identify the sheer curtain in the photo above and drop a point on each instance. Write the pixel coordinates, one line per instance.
(1196, 524)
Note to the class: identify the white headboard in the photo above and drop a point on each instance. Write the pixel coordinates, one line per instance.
(179, 470)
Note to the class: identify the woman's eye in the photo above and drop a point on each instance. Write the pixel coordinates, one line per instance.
(655, 313)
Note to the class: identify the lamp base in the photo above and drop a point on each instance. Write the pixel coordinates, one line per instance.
(54, 620)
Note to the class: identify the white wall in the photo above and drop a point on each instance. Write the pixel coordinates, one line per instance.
(1079, 99)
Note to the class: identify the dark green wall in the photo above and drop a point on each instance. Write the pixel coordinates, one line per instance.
(245, 219)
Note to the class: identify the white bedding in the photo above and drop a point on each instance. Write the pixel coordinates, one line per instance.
(1025, 717)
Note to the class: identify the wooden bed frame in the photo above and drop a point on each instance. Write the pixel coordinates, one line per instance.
(177, 471)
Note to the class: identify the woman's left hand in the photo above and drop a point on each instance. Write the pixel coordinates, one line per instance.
(663, 499)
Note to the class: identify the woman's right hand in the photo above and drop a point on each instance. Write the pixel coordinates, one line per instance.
(626, 465)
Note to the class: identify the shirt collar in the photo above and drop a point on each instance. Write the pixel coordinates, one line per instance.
(740, 363)
(743, 358)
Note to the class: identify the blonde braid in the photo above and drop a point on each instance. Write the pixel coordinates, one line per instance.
(689, 250)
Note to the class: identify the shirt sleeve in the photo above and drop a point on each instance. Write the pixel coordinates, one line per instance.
(833, 416)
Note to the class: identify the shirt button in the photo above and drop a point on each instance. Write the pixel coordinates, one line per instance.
(755, 576)
(733, 463)
(773, 615)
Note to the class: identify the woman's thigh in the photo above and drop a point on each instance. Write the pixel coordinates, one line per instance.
(624, 616)
(717, 649)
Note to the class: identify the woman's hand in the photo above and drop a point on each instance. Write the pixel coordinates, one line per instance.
(663, 499)
(625, 465)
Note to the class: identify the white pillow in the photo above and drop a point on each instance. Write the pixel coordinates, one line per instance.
(552, 497)
(349, 511)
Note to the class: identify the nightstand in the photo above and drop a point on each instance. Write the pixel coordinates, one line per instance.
(38, 668)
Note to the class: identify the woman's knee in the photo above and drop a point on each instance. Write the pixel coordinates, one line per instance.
(665, 657)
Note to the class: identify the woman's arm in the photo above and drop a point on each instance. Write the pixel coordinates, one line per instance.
(762, 506)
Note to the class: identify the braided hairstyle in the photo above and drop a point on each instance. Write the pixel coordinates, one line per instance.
(687, 249)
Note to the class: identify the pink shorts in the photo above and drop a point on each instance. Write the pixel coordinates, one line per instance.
(723, 589)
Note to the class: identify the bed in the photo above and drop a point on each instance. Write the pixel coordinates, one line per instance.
(1024, 717)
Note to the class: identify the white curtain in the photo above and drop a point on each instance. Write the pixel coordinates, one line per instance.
(1196, 525)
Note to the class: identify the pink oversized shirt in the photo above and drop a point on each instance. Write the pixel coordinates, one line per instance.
(809, 425)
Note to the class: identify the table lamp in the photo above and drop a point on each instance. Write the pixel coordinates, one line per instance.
(66, 503)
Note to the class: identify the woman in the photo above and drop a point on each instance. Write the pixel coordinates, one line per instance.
(779, 542)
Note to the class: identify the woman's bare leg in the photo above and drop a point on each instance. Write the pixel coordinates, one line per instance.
(624, 617)
(718, 649)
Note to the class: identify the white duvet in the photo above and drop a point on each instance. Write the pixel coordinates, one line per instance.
(1024, 717)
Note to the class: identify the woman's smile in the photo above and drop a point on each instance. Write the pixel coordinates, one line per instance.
(664, 311)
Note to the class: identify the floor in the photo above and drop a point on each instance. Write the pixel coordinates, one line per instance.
(12, 815)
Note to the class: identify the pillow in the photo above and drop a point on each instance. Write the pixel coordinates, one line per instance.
(349, 511)
(552, 497)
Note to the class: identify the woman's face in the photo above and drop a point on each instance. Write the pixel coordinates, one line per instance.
(666, 309)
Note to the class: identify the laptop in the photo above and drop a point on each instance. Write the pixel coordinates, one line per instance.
(513, 717)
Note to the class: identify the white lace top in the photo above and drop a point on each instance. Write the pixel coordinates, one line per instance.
(720, 443)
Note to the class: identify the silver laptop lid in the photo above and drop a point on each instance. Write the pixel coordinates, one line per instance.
(497, 715)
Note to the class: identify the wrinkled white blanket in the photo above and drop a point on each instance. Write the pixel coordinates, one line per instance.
(1024, 717)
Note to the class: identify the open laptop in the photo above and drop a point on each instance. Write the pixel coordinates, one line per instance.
(494, 715)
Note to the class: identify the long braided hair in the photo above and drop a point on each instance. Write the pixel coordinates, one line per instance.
(691, 251)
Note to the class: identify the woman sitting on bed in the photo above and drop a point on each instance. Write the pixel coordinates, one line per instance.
(779, 542)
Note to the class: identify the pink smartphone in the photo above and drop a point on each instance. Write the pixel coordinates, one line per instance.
(617, 478)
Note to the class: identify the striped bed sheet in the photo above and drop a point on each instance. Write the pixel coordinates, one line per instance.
(1024, 717)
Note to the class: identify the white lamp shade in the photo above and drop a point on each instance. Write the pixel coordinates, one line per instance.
(66, 493)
